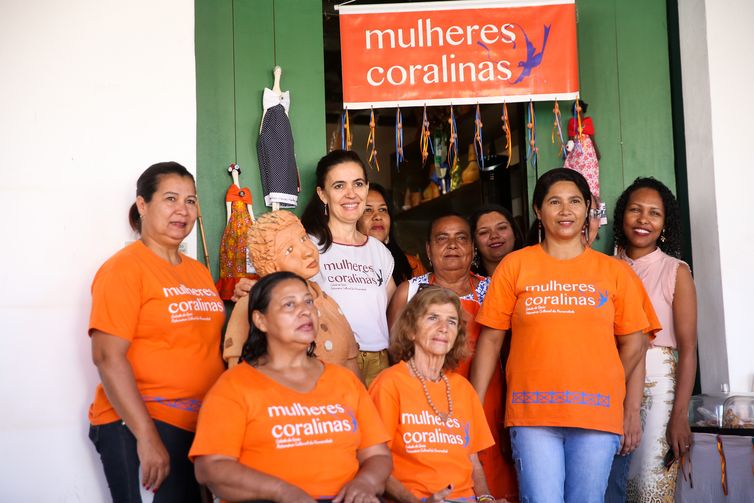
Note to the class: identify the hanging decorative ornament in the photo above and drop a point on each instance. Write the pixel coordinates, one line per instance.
(557, 130)
(478, 145)
(455, 175)
(531, 136)
(345, 133)
(371, 143)
(507, 132)
(577, 114)
(398, 138)
(425, 141)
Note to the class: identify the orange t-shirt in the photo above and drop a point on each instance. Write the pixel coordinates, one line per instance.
(309, 439)
(564, 368)
(427, 453)
(173, 317)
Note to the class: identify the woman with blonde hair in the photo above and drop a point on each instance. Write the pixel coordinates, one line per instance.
(436, 421)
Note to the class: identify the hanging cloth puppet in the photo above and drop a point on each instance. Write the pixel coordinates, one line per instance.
(583, 154)
(234, 253)
(277, 161)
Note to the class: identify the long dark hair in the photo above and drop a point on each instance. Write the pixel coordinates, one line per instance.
(544, 183)
(147, 184)
(315, 217)
(402, 269)
(259, 300)
(518, 234)
(672, 243)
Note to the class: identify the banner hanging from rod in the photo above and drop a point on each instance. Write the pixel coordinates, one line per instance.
(463, 52)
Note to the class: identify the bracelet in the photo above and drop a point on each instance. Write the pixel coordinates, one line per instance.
(485, 497)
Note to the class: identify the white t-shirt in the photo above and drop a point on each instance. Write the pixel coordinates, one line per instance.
(356, 276)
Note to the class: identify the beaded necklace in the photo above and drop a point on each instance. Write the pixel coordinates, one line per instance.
(423, 380)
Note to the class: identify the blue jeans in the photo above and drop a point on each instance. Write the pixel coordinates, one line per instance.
(116, 446)
(556, 465)
(616, 485)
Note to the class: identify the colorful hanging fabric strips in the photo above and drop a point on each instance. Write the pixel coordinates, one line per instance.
(557, 130)
(425, 141)
(507, 132)
(371, 143)
(345, 131)
(453, 151)
(478, 144)
(398, 138)
(531, 136)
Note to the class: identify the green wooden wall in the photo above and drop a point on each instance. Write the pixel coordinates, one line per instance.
(624, 75)
(625, 78)
(238, 43)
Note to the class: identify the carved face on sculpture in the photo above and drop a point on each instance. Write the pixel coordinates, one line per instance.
(295, 252)
(279, 242)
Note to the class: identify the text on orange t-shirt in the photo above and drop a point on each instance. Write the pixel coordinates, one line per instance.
(427, 453)
(172, 316)
(309, 439)
(564, 368)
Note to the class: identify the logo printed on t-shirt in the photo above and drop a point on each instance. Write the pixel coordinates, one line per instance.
(301, 425)
(418, 439)
(193, 309)
(347, 275)
(562, 298)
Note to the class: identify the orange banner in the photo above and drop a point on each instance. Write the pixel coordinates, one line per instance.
(465, 52)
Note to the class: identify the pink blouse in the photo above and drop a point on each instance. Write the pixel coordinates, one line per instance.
(657, 272)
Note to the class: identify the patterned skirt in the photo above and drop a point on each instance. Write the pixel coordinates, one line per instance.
(583, 158)
(648, 480)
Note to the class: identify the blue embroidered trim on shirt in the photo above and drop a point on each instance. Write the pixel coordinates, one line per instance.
(188, 404)
(569, 397)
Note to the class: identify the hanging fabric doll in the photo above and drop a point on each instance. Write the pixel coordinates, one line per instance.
(234, 252)
(277, 161)
(583, 154)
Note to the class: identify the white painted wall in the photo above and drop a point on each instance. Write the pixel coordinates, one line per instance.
(716, 56)
(91, 93)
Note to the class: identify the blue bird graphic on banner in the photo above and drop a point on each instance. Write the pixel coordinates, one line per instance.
(533, 58)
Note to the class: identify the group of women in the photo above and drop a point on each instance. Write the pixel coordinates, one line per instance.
(339, 301)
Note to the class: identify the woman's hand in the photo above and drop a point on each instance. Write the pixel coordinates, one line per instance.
(375, 465)
(153, 459)
(439, 496)
(295, 495)
(109, 355)
(631, 432)
(679, 435)
(357, 491)
(242, 289)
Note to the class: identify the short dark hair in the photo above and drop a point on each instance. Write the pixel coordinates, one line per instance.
(314, 217)
(259, 300)
(542, 187)
(442, 215)
(672, 243)
(402, 345)
(146, 186)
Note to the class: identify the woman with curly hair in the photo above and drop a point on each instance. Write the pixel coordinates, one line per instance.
(647, 236)
(435, 420)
